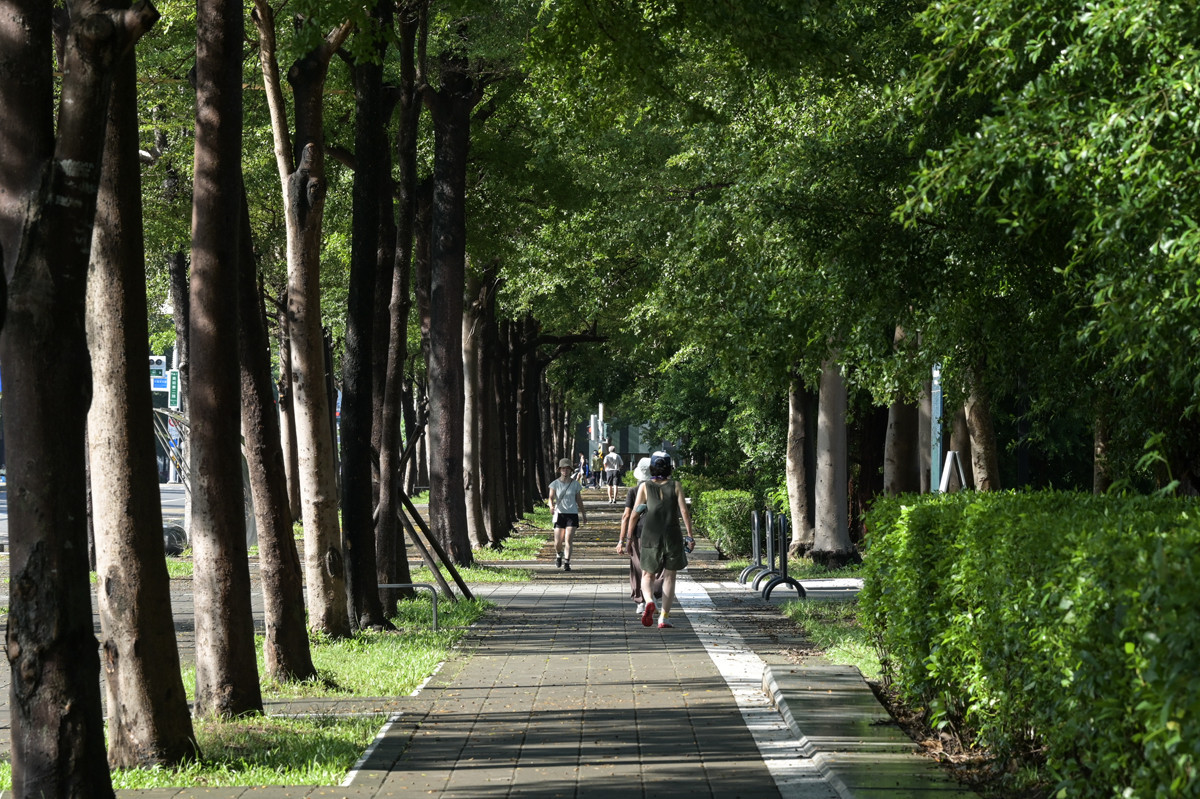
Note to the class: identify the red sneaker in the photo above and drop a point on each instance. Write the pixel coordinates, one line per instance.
(648, 615)
(664, 624)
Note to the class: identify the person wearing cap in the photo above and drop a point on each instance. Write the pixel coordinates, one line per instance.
(628, 542)
(566, 508)
(612, 470)
(661, 506)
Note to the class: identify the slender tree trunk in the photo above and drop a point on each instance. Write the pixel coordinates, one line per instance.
(177, 268)
(358, 521)
(832, 546)
(450, 109)
(226, 667)
(925, 438)
(149, 722)
(47, 205)
(800, 403)
(472, 413)
(985, 460)
(287, 417)
(302, 176)
(286, 649)
(901, 463)
(960, 442)
(497, 514)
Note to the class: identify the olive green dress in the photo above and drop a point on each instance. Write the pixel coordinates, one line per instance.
(662, 538)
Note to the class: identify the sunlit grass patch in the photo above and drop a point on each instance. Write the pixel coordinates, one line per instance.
(515, 547)
(265, 751)
(539, 518)
(480, 573)
(832, 626)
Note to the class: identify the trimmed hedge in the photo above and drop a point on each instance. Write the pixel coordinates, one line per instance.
(1061, 621)
(724, 518)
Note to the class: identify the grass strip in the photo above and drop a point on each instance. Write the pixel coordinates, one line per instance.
(833, 627)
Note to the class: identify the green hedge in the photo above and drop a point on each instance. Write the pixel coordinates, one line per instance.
(1057, 622)
(724, 518)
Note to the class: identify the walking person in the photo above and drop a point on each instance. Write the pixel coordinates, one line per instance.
(581, 470)
(628, 542)
(612, 470)
(566, 508)
(664, 548)
(597, 468)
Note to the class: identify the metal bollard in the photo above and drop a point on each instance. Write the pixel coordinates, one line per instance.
(427, 586)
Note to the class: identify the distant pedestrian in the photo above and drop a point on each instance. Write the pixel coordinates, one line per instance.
(612, 471)
(597, 468)
(566, 508)
(630, 536)
(582, 469)
(664, 549)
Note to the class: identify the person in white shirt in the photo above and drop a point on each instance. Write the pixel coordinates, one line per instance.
(566, 508)
(612, 471)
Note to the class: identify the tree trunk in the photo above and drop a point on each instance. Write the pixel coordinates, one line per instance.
(450, 109)
(226, 666)
(831, 545)
(302, 176)
(1102, 478)
(177, 268)
(358, 523)
(497, 514)
(799, 483)
(960, 442)
(901, 462)
(472, 413)
(925, 438)
(286, 651)
(985, 460)
(47, 205)
(149, 722)
(287, 417)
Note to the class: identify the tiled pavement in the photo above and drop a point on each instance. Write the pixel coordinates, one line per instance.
(560, 692)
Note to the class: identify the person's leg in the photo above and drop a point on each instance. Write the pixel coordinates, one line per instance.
(648, 611)
(635, 571)
(567, 546)
(668, 591)
(558, 545)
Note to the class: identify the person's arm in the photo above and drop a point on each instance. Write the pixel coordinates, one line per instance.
(579, 503)
(552, 500)
(685, 512)
(624, 532)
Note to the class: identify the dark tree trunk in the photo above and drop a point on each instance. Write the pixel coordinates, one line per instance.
(801, 452)
(149, 722)
(47, 207)
(497, 514)
(396, 406)
(870, 433)
(473, 413)
(358, 524)
(226, 666)
(287, 416)
(450, 109)
(286, 649)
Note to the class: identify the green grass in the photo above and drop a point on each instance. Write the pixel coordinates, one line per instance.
(516, 547)
(179, 568)
(481, 573)
(264, 750)
(832, 625)
(540, 518)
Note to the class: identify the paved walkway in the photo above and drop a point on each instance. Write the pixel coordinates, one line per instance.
(561, 692)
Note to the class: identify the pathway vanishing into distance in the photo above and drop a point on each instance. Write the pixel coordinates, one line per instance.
(561, 692)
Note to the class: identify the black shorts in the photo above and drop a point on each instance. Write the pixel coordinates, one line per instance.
(611, 476)
(565, 520)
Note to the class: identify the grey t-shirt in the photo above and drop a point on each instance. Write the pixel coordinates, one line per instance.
(566, 495)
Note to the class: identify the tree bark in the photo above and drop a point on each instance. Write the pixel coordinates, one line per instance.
(302, 176)
(286, 651)
(472, 414)
(358, 523)
(149, 721)
(1102, 478)
(925, 438)
(985, 459)
(901, 462)
(391, 553)
(287, 417)
(226, 666)
(800, 489)
(450, 109)
(960, 442)
(831, 545)
(47, 205)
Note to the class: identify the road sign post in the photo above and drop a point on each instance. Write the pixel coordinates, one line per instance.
(173, 389)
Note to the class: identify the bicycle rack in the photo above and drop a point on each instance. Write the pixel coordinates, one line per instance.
(755, 550)
(771, 550)
(427, 586)
(782, 578)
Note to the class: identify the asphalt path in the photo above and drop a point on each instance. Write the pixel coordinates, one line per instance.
(172, 507)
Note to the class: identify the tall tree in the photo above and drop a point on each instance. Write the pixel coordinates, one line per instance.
(149, 721)
(47, 208)
(286, 652)
(301, 164)
(450, 109)
(226, 666)
(358, 460)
